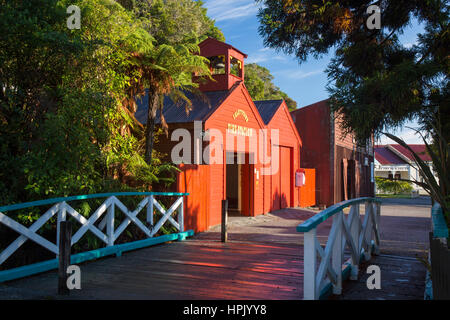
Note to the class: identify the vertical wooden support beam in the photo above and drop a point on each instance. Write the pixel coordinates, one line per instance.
(309, 265)
(64, 256)
(354, 232)
(61, 217)
(110, 225)
(377, 213)
(181, 214)
(336, 259)
(366, 232)
(150, 211)
(224, 234)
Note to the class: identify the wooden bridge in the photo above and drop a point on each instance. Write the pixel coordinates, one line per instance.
(263, 259)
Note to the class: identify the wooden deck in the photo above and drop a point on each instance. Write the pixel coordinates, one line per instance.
(262, 260)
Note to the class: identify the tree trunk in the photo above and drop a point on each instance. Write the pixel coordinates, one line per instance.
(153, 101)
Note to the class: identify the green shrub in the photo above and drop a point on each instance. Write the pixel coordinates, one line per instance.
(392, 186)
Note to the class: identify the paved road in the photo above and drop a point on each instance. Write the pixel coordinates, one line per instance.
(405, 224)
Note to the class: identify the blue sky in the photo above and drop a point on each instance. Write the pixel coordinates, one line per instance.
(305, 83)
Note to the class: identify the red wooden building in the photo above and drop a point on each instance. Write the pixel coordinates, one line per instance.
(344, 170)
(252, 184)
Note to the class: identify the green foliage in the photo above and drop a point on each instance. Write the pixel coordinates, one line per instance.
(375, 82)
(65, 126)
(176, 27)
(258, 81)
(393, 186)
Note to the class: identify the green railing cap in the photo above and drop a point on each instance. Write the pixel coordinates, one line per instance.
(85, 197)
(322, 216)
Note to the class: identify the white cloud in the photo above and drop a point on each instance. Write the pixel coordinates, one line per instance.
(264, 55)
(301, 74)
(407, 135)
(221, 10)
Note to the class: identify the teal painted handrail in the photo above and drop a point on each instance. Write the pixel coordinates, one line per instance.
(85, 197)
(314, 221)
(440, 229)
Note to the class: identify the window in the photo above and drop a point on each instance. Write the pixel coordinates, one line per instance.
(236, 67)
(217, 64)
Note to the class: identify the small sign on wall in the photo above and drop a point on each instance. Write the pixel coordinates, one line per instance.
(300, 178)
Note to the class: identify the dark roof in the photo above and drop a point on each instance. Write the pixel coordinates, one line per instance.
(202, 107)
(385, 156)
(267, 109)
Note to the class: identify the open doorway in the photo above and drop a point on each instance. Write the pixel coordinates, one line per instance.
(239, 184)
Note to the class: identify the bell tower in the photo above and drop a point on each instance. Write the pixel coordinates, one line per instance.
(226, 64)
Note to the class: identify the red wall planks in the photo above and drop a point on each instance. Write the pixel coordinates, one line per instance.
(314, 126)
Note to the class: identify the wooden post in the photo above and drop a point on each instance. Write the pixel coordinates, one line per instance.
(110, 225)
(64, 256)
(224, 220)
(309, 265)
(336, 260)
(150, 211)
(354, 233)
(181, 215)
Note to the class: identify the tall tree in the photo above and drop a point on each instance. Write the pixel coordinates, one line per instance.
(62, 120)
(259, 82)
(375, 82)
(177, 27)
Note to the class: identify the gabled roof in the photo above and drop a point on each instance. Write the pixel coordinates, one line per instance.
(267, 108)
(202, 106)
(386, 157)
(419, 149)
(396, 154)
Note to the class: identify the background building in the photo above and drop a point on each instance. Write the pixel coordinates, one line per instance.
(396, 162)
(344, 170)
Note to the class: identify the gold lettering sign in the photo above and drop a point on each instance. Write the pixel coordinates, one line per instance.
(240, 112)
(239, 130)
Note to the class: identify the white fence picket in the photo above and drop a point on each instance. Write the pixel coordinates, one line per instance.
(361, 238)
(62, 210)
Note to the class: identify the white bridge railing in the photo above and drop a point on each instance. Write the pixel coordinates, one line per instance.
(360, 236)
(105, 213)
